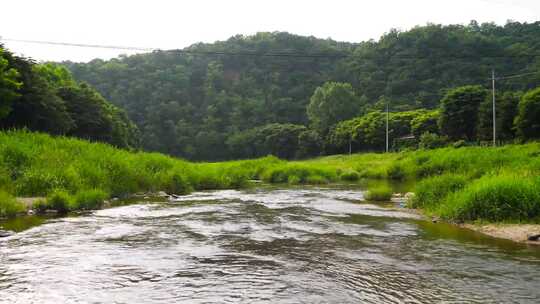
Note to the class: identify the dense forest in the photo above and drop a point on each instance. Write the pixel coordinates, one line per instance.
(288, 95)
(46, 98)
(285, 94)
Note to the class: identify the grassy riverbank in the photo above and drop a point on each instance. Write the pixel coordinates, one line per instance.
(458, 184)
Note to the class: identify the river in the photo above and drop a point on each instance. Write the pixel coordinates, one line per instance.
(262, 245)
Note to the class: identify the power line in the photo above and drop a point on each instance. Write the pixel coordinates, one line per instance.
(517, 75)
(115, 47)
(272, 53)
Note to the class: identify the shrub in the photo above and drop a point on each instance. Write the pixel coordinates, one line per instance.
(9, 206)
(60, 201)
(89, 199)
(431, 191)
(432, 141)
(350, 175)
(36, 182)
(379, 193)
(396, 171)
(495, 198)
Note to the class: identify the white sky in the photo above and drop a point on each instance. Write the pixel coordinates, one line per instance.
(170, 24)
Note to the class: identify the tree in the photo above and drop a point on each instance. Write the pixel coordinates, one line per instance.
(425, 122)
(506, 111)
(9, 84)
(459, 112)
(48, 99)
(309, 144)
(528, 120)
(37, 108)
(332, 103)
(281, 140)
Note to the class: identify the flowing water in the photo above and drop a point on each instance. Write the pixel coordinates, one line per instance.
(304, 245)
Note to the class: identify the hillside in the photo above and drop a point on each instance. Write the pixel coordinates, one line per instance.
(189, 102)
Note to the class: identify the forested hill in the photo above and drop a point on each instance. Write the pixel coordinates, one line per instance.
(196, 102)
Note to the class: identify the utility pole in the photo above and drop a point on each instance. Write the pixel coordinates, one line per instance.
(387, 116)
(350, 144)
(494, 113)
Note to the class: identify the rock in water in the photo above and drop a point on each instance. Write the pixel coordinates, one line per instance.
(534, 237)
(4, 233)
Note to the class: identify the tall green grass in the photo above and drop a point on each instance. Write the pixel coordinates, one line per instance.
(379, 193)
(451, 182)
(505, 197)
(9, 206)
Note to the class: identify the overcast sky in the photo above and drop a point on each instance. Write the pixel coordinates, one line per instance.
(170, 24)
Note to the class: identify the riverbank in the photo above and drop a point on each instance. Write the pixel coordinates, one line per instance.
(459, 185)
(516, 232)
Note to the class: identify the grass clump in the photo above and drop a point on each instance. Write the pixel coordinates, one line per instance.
(89, 199)
(300, 174)
(350, 175)
(60, 200)
(175, 183)
(9, 206)
(495, 198)
(432, 191)
(379, 193)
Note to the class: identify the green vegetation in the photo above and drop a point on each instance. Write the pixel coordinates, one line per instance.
(186, 104)
(46, 98)
(8, 205)
(458, 184)
(230, 106)
(379, 193)
(502, 197)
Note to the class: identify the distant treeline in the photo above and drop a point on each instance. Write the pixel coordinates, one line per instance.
(219, 101)
(45, 97)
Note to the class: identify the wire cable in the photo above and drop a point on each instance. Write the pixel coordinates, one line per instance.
(272, 53)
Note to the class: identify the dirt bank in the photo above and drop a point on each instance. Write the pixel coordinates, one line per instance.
(515, 232)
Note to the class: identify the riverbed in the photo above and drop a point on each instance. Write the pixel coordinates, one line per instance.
(262, 245)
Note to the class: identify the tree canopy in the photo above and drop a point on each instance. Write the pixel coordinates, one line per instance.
(188, 102)
(46, 97)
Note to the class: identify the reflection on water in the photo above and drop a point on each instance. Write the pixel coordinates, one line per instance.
(304, 245)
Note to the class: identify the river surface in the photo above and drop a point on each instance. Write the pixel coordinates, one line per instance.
(266, 245)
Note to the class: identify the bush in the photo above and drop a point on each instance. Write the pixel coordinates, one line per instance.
(495, 198)
(60, 201)
(432, 141)
(350, 175)
(379, 193)
(89, 199)
(430, 192)
(9, 206)
(396, 171)
(36, 182)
